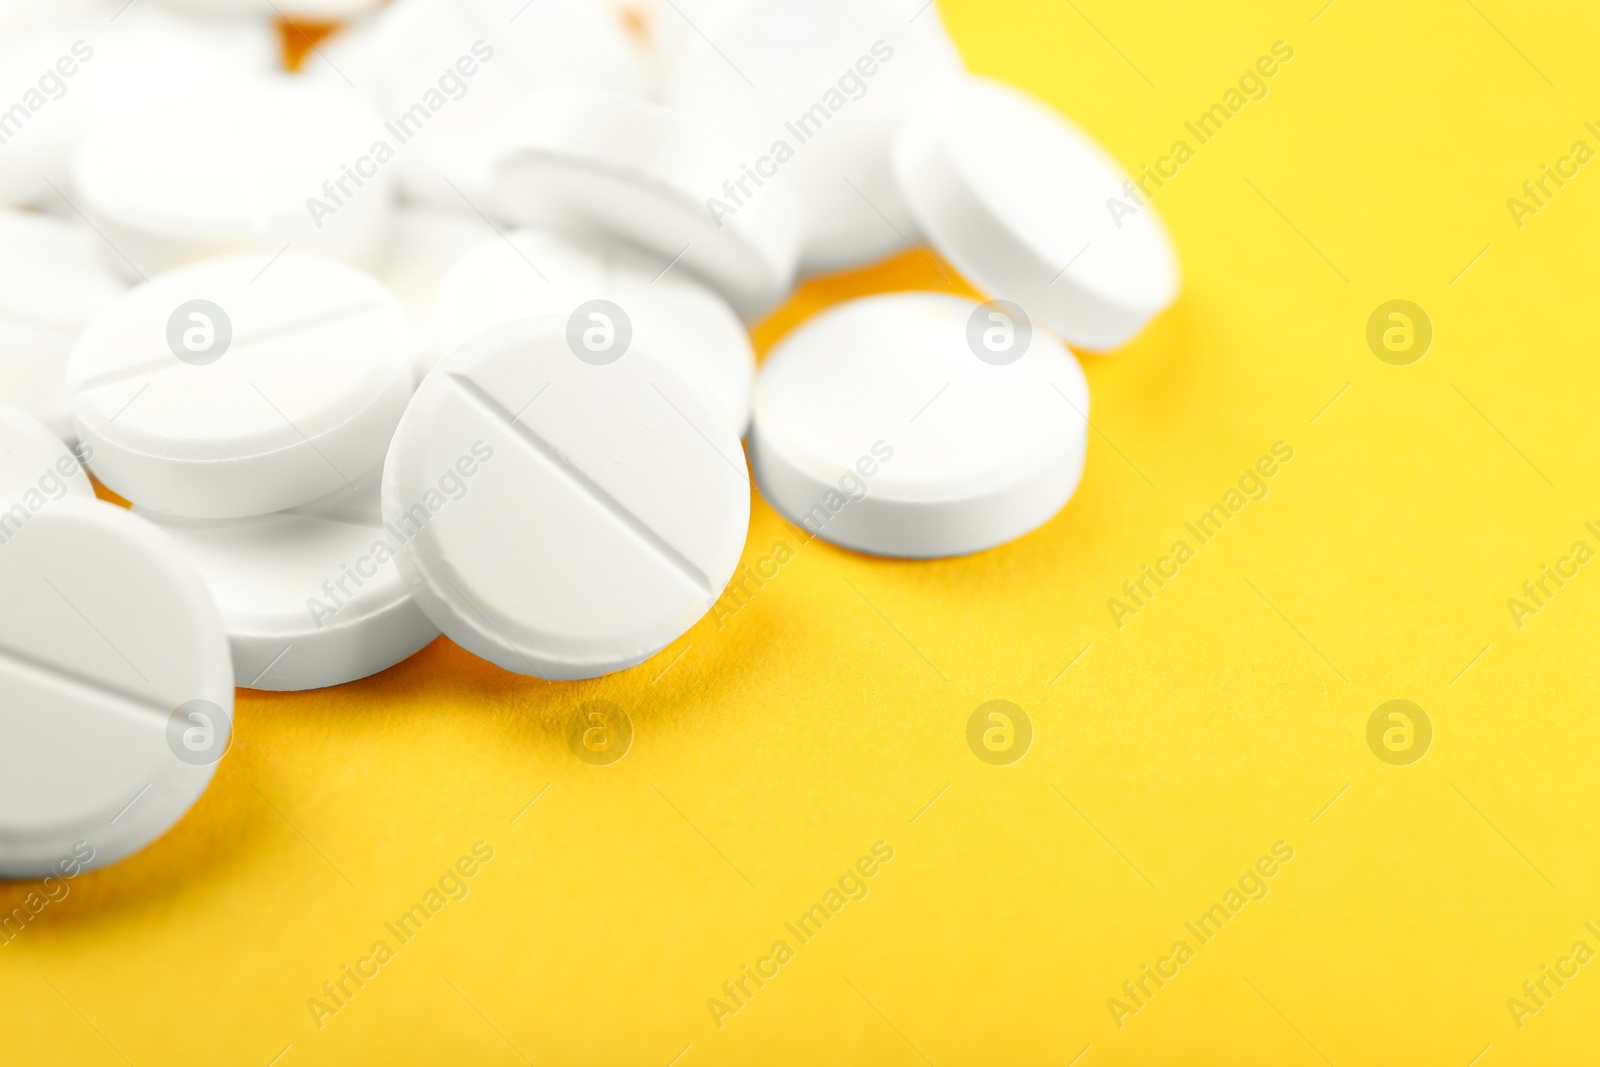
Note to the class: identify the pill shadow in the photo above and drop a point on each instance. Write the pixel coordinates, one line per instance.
(208, 846)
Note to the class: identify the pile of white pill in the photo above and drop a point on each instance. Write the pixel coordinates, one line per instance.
(448, 333)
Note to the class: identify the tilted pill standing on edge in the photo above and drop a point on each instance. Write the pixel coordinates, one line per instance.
(566, 512)
(1016, 197)
(614, 167)
(812, 91)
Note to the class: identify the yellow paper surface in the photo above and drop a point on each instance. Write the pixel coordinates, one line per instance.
(775, 746)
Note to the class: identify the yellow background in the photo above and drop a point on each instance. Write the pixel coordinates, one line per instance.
(773, 751)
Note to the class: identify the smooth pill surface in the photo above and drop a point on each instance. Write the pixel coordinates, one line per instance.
(627, 169)
(307, 10)
(265, 162)
(1025, 205)
(919, 425)
(814, 90)
(309, 597)
(535, 272)
(241, 386)
(65, 62)
(36, 468)
(116, 689)
(424, 245)
(564, 516)
(51, 284)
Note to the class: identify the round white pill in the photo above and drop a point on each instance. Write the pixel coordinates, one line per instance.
(116, 692)
(814, 90)
(249, 164)
(241, 386)
(631, 170)
(309, 597)
(36, 468)
(1024, 204)
(533, 272)
(51, 285)
(424, 245)
(566, 510)
(919, 425)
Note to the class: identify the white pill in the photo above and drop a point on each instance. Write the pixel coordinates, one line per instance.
(444, 71)
(116, 692)
(309, 597)
(424, 245)
(241, 386)
(1023, 203)
(249, 164)
(61, 66)
(674, 25)
(631, 170)
(814, 90)
(36, 468)
(39, 122)
(919, 425)
(564, 517)
(534, 272)
(306, 10)
(51, 284)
